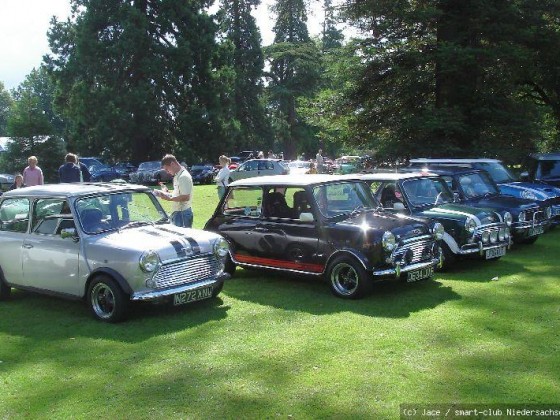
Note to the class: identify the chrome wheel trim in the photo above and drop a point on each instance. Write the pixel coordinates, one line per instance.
(103, 301)
(345, 279)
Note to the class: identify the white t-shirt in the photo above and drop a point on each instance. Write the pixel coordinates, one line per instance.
(182, 185)
(222, 178)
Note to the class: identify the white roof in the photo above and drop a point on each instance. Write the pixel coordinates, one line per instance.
(291, 180)
(452, 160)
(73, 189)
(391, 176)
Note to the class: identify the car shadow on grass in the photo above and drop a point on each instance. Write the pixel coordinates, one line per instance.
(38, 316)
(312, 295)
(481, 271)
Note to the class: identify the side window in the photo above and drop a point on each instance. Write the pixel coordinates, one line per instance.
(250, 166)
(389, 195)
(286, 203)
(14, 214)
(374, 187)
(50, 216)
(265, 165)
(243, 202)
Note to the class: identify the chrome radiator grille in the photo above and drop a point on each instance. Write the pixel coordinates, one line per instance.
(415, 251)
(187, 271)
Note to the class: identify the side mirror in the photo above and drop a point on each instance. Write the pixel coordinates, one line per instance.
(306, 217)
(69, 233)
(524, 176)
(398, 206)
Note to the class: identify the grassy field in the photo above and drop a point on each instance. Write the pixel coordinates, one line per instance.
(274, 346)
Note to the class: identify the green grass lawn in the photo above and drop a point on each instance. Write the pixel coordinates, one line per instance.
(274, 346)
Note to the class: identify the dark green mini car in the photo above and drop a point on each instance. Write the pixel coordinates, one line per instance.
(469, 231)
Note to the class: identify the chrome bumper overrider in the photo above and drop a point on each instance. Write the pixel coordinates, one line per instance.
(158, 294)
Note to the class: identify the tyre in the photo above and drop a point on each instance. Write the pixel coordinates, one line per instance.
(449, 258)
(527, 241)
(347, 278)
(106, 300)
(229, 266)
(5, 290)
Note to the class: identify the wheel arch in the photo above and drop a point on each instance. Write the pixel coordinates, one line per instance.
(115, 275)
(347, 253)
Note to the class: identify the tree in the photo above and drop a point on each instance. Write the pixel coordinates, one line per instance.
(437, 80)
(294, 71)
(243, 56)
(137, 78)
(5, 105)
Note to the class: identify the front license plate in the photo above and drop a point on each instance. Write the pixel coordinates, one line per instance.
(495, 252)
(421, 274)
(192, 295)
(537, 230)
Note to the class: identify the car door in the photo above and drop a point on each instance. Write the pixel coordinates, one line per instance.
(49, 261)
(284, 238)
(14, 219)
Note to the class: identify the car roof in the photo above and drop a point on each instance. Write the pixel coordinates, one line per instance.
(291, 180)
(73, 189)
(452, 170)
(546, 156)
(453, 160)
(393, 176)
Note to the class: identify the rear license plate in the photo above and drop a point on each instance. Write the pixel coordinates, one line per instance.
(421, 274)
(192, 295)
(495, 252)
(537, 230)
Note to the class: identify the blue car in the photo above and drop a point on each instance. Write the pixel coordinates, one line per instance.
(531, 190)
(475, 188)
(99, 171)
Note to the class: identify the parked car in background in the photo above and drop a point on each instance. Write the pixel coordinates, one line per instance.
(6, 181)
(124, 169)
(150, 172)
(323, 226)
(507, 183)
(298, 167)
(98, 170)
(469, 232)
(258, 167)
(543, 167)
(107, 244)
(475, 188)
(348, 165)
(203, 173)
(247, 154)
(235, 162)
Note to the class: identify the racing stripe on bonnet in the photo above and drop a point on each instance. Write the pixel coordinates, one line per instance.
(179, 248)
(194, 245)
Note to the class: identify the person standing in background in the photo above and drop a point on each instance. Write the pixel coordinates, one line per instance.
(181, 197)
(222, 178)
(70, 171)
(320, 162)
(18, 182)
(32, 174)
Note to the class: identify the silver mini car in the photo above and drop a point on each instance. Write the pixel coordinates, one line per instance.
(109, 244)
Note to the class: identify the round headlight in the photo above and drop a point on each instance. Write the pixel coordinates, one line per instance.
(508, 218)
(149, 260)
(548, 212)
(494, 236)
(388, 241)
(529, 195)
(221, 248)
(522, 216)
(485, 236)
(438, 230)
(470, 225)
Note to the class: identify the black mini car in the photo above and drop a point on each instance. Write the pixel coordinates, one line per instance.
(324, 226)
(475, 188)
(543, 167)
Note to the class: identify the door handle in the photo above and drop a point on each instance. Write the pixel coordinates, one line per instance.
(27, 246)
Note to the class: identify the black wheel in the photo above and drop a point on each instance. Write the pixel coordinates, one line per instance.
(217, 289)
(348, 278)
(526, 241)
(449, 258)
(229, 266)
(106, 300)
(5, 290)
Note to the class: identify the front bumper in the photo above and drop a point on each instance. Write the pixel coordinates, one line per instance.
(529, 229)
(161, 294)
(399, 269)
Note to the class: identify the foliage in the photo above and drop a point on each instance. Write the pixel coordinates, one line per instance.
(274, 345)
(5, 106)
(438, 78)
(138, 78)
(294, 62)
(241, 50)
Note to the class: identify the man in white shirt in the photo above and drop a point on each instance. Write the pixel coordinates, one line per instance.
(181, 197)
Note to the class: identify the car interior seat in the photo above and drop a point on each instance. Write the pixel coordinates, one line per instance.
(301, 204)
(276, 206)
(388, 197)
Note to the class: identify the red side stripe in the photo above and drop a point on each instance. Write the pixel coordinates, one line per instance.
(288, 265)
